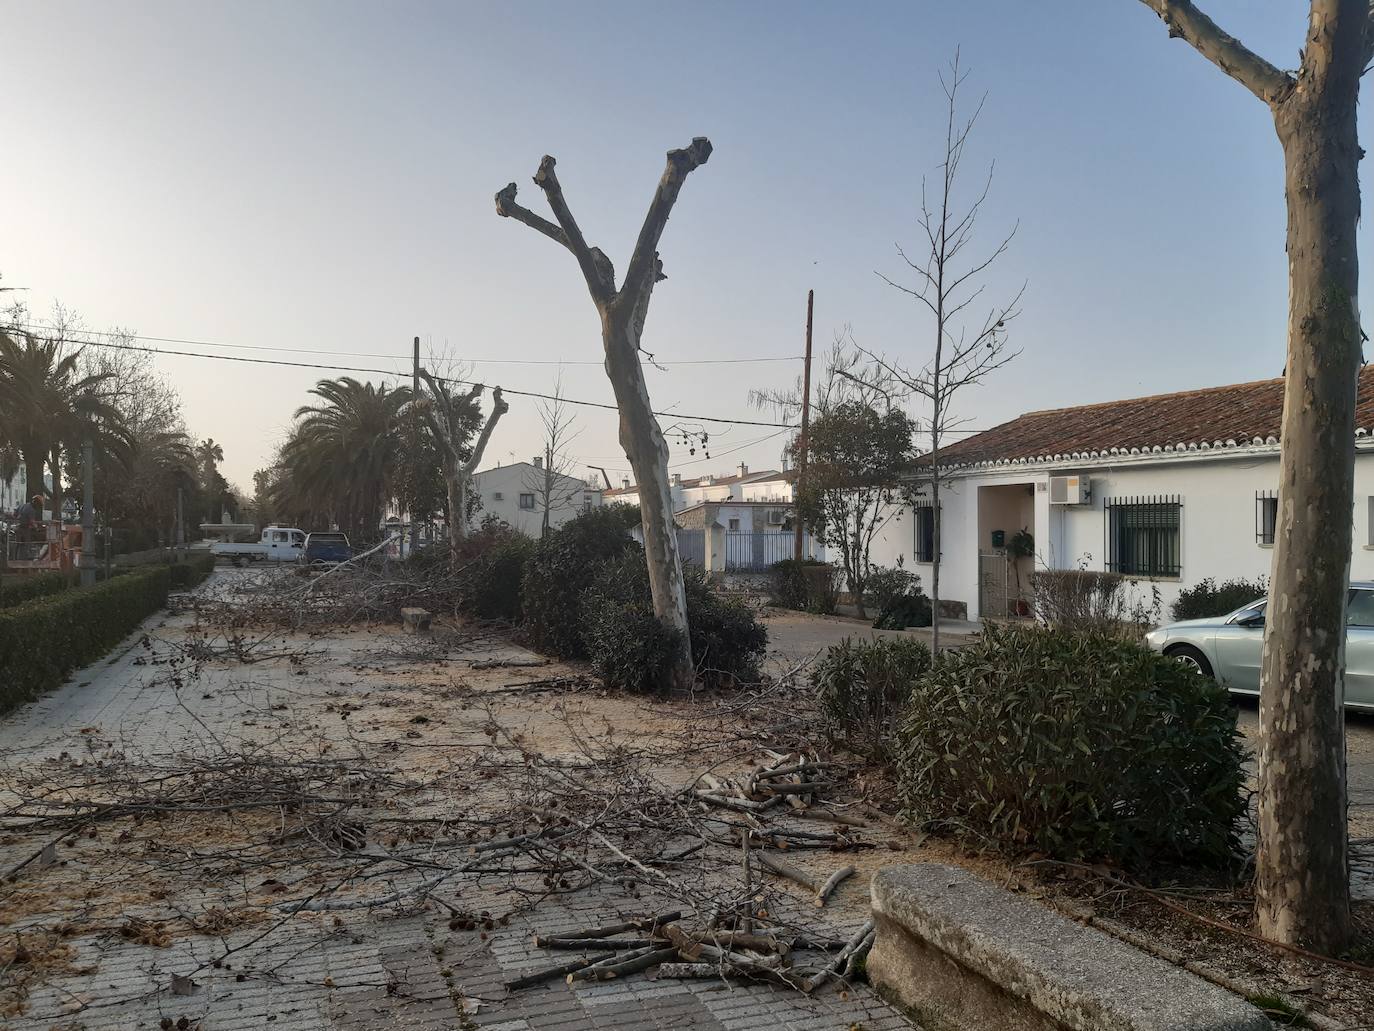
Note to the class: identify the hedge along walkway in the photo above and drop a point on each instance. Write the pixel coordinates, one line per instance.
(44, 639)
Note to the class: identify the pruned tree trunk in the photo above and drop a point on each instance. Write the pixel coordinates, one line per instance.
(445, 415)
(1302, 874)
(623, 312)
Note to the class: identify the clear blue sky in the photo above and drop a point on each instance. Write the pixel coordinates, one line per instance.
(320, 175)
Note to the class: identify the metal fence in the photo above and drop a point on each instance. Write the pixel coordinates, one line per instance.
(691, 546)
(755, 552)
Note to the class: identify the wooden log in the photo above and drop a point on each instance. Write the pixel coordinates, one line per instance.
(785, 869)
(833, 882)
(649, 923)
(616, 944)
(824, 814)
(741, 805)
(841, 958)
(640, 959)
(562, 970)
(687, 970)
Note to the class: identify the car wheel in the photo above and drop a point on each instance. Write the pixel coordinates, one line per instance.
(1192, 658)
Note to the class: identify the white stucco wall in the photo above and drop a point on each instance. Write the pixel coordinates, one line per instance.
(1217, 521)
(510, 481)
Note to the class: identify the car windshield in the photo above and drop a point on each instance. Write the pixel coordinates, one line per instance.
(1255, 608)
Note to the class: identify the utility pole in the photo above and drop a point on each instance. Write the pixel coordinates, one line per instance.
(414, 446)
(88, 514)
(805, 426)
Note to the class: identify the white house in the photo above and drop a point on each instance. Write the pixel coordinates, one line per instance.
(1168, 490)
(516, 494)
(741, 485)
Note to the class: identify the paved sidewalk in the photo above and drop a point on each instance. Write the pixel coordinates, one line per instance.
(387, 966)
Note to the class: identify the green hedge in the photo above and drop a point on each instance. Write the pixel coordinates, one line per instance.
(1077, 746)
(43, 640)
(15, 590)
(191, 573)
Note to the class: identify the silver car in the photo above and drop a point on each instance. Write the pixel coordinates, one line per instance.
(1229, 647)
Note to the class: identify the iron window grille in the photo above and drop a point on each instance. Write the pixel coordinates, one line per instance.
(1143, 535)
(924, 512)
(1266, 515)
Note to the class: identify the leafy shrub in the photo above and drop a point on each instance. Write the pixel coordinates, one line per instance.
(191, 573)
(862, 686)
(631, 649)
(1208, 598)
(1077, 745)
(809, 585)
(43, 640)
(493, 568)
(1090, 600)
(884, 586)
(903, 611)
(561, 568)
(15, 590)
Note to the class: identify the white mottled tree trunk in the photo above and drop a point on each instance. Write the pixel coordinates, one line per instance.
(1302, 886)
(1302, 869)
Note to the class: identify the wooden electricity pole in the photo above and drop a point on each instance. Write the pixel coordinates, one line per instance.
(805, 426)
(414, 445)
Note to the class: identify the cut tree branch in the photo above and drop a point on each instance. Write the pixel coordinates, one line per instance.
(1233, 57)
(644, 269)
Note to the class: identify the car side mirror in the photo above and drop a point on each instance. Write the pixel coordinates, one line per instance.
(1255, 620)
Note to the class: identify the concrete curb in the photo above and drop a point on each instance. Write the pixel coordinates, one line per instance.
(965, 954)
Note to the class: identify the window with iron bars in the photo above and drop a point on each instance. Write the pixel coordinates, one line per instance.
(924, 513)
(1266, 515)
(1143, 535)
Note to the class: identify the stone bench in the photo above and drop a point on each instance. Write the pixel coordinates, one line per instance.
(415, 621)
(963, 953)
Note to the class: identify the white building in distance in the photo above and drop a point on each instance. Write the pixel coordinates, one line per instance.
(516, 494)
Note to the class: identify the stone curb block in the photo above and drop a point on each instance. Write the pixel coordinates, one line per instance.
(964, 954)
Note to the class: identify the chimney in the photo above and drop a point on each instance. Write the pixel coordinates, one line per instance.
(625, 483)
(539, 461)
(707, 480)
(743, 470)
(676, 479)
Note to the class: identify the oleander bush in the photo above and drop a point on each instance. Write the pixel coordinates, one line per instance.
(631, 649)
(1076, 745)
(808, 585)
(862, 687)
(558, 573)
(1209, 598)
(44, 639)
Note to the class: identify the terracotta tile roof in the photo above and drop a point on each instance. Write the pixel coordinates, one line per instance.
(1239, 415)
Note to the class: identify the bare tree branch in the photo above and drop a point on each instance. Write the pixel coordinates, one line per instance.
(1186, 22)
(644, 268)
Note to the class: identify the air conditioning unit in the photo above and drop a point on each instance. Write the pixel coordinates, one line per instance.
(1070, 490)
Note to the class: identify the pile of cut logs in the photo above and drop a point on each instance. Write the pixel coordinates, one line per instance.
(675, 949)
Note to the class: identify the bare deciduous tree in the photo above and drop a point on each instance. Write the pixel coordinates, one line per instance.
(451, 418)
(553, 485)
(947, 284)
(623, 312)
(1302, 889)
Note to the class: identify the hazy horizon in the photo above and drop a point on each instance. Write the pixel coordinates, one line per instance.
(319, 178)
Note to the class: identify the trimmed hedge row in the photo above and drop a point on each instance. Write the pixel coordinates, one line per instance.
(15, 590)
(43, 640)
(191, 573)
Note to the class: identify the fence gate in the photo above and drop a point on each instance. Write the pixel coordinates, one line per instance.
(994, 593)
(691, 546)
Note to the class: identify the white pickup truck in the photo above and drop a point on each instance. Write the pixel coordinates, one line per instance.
(278, 544)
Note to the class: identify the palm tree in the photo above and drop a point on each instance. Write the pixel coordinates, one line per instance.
(343, 455)
(213, 486)
(50, 407)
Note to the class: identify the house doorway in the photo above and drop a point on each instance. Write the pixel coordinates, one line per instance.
(1006, 550)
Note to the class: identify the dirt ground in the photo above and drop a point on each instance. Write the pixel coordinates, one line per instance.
(228, 823)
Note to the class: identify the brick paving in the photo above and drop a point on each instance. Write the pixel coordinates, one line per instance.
(359, 969)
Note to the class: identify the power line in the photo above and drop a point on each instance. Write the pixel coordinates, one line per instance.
(359, 354)
(442, 379)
